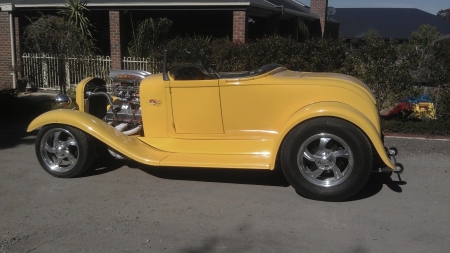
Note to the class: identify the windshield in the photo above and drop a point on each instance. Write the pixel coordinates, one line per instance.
(174, 58)
(185, 65)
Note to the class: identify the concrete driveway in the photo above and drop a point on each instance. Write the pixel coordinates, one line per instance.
(127, 207)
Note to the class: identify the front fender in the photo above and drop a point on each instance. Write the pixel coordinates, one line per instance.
(126, 145)
(338, 110)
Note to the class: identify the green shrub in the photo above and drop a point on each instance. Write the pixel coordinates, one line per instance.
(225, 56)
(416, 127)
(380, 65)
(435, 65)
(442, 102)
(54, 35)
(321, 55)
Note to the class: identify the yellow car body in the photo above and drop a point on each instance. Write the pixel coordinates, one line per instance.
(215, 124)
(236, 121)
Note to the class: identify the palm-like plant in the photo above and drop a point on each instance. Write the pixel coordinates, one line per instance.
(148, 35)
(303, 30)
(74, 11)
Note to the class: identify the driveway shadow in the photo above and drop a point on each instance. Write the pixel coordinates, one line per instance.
(375, 184)
(102, 166)
(15, 115)
(14, 132)
(234, 176)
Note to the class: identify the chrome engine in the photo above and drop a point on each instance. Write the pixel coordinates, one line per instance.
(126, 116)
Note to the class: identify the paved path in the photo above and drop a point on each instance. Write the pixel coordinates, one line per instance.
(125, 207)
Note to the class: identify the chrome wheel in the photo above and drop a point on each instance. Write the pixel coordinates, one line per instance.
(59, 150)
(325, 160)
(64, 151)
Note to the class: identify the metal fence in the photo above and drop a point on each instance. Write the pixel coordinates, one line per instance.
(43, 70)
(137, 63)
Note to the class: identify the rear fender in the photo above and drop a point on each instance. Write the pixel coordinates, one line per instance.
(338, 110)
(128, 146)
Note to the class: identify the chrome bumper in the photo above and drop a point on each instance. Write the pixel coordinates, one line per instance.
(392, 152)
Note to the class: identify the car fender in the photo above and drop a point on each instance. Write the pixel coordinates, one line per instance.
(126, 145)
(339, 110)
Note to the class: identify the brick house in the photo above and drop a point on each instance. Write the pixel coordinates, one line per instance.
(240, 20)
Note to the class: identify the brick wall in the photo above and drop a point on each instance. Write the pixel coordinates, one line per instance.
(239, 26)
(114, 36)
(319, 7)
(18, 52)
(6, 79)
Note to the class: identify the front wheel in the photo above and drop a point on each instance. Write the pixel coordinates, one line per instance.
(64, 151)
(326, 159)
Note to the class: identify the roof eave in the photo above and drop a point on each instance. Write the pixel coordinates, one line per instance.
(250, 3)
(301, 14)
(160, 4)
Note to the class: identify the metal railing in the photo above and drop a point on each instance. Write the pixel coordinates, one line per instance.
(43, 70)
(137, 63)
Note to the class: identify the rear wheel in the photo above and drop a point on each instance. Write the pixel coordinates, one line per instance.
(64, 151)
(326, 159)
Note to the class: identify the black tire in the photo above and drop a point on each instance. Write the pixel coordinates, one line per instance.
(382, 176)
(326, 159)
(102, 151)
(64, 151)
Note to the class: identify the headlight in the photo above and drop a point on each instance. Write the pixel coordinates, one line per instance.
(62, 101)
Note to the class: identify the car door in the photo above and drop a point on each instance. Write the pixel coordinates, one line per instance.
(196, 106)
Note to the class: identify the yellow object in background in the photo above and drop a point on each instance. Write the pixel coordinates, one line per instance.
(424, 110)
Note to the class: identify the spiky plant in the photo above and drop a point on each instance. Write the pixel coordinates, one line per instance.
(148, 34)
(303, 30)
(74, 11)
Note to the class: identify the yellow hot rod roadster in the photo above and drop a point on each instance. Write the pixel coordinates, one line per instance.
(322, 128)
